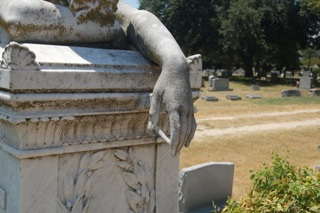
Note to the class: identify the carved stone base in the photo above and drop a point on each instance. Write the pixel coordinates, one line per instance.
(73, 132)
(122, 179)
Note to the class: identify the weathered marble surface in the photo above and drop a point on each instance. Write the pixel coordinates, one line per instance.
(107, 24)
(76, 109)
(83, 69)
(73, 148)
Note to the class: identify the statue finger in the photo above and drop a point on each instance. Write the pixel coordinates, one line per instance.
(175, 129)
(184, 130)
(189, 129)
(154, 112)
(193, 130)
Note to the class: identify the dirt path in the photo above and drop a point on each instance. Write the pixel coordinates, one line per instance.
(258, 115)
(202, 131)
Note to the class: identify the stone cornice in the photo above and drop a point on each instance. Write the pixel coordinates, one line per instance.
(68, 149)
(34, 68)
(47, 107)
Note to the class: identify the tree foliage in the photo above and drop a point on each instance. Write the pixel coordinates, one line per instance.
(261, 34)
(242, 35)
(313, 5)
(195, 24)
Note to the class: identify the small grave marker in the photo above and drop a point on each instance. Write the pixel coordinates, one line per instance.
(210, 98)
(254, 96)
(255, 87)
(233, 97)
(315, 92)
(291, 93)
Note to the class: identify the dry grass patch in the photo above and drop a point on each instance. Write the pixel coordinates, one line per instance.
(250, 151)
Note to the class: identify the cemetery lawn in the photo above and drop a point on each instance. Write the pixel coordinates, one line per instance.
(246, 132)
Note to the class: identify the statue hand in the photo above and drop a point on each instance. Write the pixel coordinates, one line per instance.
(173, 92)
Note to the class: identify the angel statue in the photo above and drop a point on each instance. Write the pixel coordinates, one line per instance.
(113, 24)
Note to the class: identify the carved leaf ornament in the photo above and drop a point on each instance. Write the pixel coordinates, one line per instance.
(77, 190)
(138, 177)
(18, 57)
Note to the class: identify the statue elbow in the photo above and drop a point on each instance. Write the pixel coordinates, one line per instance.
(143, 17)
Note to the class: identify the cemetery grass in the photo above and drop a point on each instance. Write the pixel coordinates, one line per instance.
(271, 101)
(250, 150)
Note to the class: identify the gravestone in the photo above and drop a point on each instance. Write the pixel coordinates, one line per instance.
(254, 80)
(233, 97)
(205, 74)
(202, 184)
(289, 74)
(315, 92)
(307, 73)
(315, 78)
(74, 132)
(225, 74)
(211, 72)
(202, 82)
(255, 87)
(211, 77)
(291, 93)
(209, 98)
(262, 74)
(239, 72)
(274, 76)
(254, 96)
(220, 84)
(305, 82)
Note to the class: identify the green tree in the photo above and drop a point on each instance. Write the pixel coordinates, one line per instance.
(247, 33)
(311, 13)
(193, 23)
(157, 7)
(286, 30)
(313, 5)
(242, 34)
(310, 57)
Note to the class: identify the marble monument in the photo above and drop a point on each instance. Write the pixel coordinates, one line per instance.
(82, 86)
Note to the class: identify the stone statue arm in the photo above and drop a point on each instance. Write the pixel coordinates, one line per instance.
(40, 21)
(172, 91)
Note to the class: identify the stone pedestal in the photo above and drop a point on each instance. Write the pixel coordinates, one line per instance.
(73, 132)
